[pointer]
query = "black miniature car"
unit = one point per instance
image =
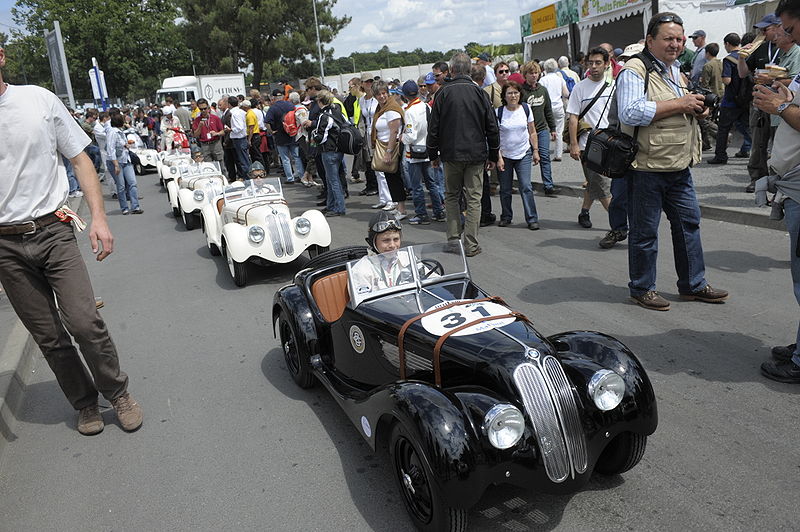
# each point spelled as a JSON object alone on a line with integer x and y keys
{"x": 465, "y": 392}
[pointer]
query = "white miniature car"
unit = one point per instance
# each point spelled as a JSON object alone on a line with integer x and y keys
{"x": 251, "y": 221}
{"x": 169, "y": 163}
{"x": 197, "y": 185}
{"x": 146, "y": 159}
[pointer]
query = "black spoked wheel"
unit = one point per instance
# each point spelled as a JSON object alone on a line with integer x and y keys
{"x": 238, "y": 270}
{"x": 336, "y": 256}
{"x": 621, "y": 454}
{"x": 315, "y": 250}
{"x": 189, "y": 220}
{"x": 422, "y": 499}
{"x": 298, "y": 365}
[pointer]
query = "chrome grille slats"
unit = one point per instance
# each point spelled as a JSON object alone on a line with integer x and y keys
{"x": 541, "y": 411}
{"x": 568, "y": 411}
{"x": 274, "y": 234}
{"x": 286, "y": 234}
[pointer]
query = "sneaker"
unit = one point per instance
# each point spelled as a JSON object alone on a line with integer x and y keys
{"x": 652, "y": 300}
{"x": 584, "y": 220}
{"x": 128, "y": 411}
{"x": 125, "y": 212}
{"x": 356, "y": 179}
{"x": 717, "y": 161}
{"x": 473, "y": 252}
{"x": 742, "y": 154}
{"x": 113, "y": 195}
{"x": 322, "y": 203}
{"x": 331, "y": 214}
{"x": 552, "y": 191}
{"x": 788, "y": 372}
{"x": 420, "y": 220}
{"x": 783, "y": 353}
{"x": 400, "y": 216}
{"x": 611, "y": 238}
{"x": 368, "y": 192}
{"x": 98, "y": 302}
{"x": 751, "y": 187}
{"x": 707, "y": 294}
{"x": 378, "y": 205}
{"x": 533, "y": 226}
{"x": 488, "y": 220}
{"x": 503, "y": 223}
{"x": 390, "y": 206}
{"x": 76, "y": 194}
{"x": 439, "y": 217}
{"x": 90, "y": 422}
{"x": 137, "y": 211}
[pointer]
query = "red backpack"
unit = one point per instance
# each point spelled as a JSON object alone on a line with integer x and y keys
{"x": 290, "y": 123}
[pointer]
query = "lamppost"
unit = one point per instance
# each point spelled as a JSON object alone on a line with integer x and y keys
{"x": 319, "y": 44}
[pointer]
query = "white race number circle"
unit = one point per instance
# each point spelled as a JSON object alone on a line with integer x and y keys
{"x": 440, "y": 323}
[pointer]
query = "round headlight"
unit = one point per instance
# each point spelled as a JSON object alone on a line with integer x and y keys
{"x": 173, "y": 170}
{"x": 503, "y": 425}
{"x": 302, "y": 226}
{"x": 198, "y": 195}
{"x": 606, "y": 389}
{"x": 255, "y": 234}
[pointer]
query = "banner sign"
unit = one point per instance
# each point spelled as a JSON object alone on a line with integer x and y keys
{"x": 562, "y": 13}
{"x": 525, "y": 25}
{"x": 566, "y": 12}
{"x": 594, "y": 8}
{"x": 543, "y": 19}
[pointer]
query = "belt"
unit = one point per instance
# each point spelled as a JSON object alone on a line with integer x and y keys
{"x": 29, "y": 227}
{"x": 209, "y": 141}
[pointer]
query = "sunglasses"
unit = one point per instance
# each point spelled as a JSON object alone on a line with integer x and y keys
{"x": 203, "y": 108}
{"x": 503, "y": 71}
{"x": 385, "y": 225}
{"x": 669, "y": 18}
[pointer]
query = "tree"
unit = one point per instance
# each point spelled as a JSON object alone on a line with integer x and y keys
{"x": 135, "y": 42}
{"x": 258, "y": 33}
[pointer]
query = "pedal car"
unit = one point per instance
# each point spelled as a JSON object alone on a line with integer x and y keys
{"x": 198, "y": 184}
{"x": 144, "y": 158}
{"x": 463, "y": 390}
{"x": 251, "y": 222}
{"x": 169, "y": 163}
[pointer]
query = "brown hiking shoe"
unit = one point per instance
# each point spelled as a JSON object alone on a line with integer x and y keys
{"x": 707, "y": 294}
{"x": 90, "y": 422}
{"x": 128, "y": 411}
{"x": 651, "y": 300}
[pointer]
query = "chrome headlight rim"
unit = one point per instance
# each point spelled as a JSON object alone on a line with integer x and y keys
{"x": 503, "y": 425}
{"x": 255, "y": 234}
{"x": 302, "y": 226}
{"x": 198, "y": 195}
{"x": 607, "y": 389}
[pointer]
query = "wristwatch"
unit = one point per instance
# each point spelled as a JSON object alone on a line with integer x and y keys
{"x": 785, "y": 105}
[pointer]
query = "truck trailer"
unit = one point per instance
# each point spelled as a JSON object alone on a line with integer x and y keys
{"x": 212, "y": 87}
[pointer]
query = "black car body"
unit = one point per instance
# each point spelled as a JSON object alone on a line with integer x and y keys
{"x": 433, "y": 408}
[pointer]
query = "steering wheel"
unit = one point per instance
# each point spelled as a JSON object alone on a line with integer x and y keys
{"x": 428, "y": 267}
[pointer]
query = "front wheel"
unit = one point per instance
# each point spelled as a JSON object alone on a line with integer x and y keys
{"x": 422, "y": 498}
{"x": 188, "y": 220}
{"x": 296, "y": 362}
{"x": 621, "y": 454}
{"x": 314, "y": 250}
{"x": 238, "y": 270}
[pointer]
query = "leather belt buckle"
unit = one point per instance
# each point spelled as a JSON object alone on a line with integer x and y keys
{"x": 33, "y": 227}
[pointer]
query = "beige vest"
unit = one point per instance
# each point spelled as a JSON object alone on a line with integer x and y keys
{"x": 669, "y": 144}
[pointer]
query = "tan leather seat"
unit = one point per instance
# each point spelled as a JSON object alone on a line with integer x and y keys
{"x": 220, "y": 203}
{"x": 331, "y": 294}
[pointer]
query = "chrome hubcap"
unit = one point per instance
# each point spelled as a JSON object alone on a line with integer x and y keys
{"x": 407, "y": 482}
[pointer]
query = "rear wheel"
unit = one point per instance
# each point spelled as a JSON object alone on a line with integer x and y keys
{"x": 296, "y": 362}
{"x": 336, "y": 256}
{"x": 422, "y": 498}
{"x": 621, "y": 454}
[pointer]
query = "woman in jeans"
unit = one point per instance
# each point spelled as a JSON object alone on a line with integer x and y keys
{"x": 119, "y": 158}
{"x": 325, "y": 136}
{"x": 538, "y": 99}
{"x": 519, "y": 145}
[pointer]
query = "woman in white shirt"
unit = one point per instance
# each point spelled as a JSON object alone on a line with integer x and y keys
{"x": 556, "y": 87}
{"x": 519, "y": 146}
{"x": 386, "y": 127}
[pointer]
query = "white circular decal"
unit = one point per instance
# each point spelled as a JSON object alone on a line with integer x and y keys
{"x": 357, "y": 339}
{"x": 365, "y": 426}
{"x": 439, "y": 323}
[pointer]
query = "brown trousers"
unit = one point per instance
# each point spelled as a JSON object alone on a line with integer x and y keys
{"x": 35, "y": 271}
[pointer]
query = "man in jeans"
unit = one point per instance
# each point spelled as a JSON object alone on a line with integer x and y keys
{"x": 41, "y": 268}
{"x": 287, "y": 146}
{"x": 463, "y": 133}
{"x": 659, "y": 178}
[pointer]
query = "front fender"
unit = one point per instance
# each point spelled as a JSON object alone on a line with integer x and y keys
{"x": 211, "y": 223}
{"x": 320, "y": 233}
{"x": 172, "y": 193}
{"x": 237, "y": 246}
{"x": 291, "y": 300}
{"x": 187, "y": 201}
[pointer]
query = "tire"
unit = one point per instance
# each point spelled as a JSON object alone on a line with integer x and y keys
{"x": 315, "y": 250}
{"x": 189, "y": 220}
{"x": 176, "y": 212}
{"x": 213, "y": 249}
{"x": 422, "y": 498}
{"x": 238, "y": 270}
{"x": 336, "y": 256}
{"x": 138, "y": 169}
{"x": 621, "y": 454}
{"x": 298, "y": 365}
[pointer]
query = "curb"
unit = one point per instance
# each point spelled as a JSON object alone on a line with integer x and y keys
{"x": 17, "y": 365}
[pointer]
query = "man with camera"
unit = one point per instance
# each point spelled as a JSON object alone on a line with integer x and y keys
{"x": 778, "y": 101}
{"x": 656, "y": 107}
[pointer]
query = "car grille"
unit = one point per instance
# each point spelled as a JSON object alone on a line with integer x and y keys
{"x": 551, "y": 407}
{"x": 280, "y": 234}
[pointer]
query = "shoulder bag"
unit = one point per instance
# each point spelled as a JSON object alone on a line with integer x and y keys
{"x": 583, "y": 125}
{"x": 381, "y": 149}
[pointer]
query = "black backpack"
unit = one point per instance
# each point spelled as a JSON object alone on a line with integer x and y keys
{"x": 348, "y": 137}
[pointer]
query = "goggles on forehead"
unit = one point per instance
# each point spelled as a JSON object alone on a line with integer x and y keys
{"x": 385, "y": 225}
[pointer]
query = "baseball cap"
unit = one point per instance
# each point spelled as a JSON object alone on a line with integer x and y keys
{"x": 697, "y": 33}
{"x": 366, "y": 76}
{"x": 410, "y": 88}
{"x": 517, "y": 77}
{"x": 769, "y": 19}
{"x": 484, "y": 56}
{"x": 429, "y": 79}
{"x": 632, "y": 49}
{"x": 277, "y": 92}
{"x": 168, "y": 110}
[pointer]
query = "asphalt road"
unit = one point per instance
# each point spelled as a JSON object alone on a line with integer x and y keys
{"x": 230, "y": 443}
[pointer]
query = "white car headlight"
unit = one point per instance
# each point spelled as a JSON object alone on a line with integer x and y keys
{"x": 503, "y": 425}
{"x": 198, "y": 195}
{"x": 302, "y": 226}
{"x": 606, "y": 389}
{"x": 173, "y": 170}
{"x": 255, "y": 234}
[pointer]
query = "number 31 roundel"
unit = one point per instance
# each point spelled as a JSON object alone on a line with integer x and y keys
{"x": 448, "y": 319}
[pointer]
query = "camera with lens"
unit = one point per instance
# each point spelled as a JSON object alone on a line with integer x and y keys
{"x": 710, "y": 99}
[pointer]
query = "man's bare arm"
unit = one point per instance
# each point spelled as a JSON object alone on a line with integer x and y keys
{"x": 90, "y": 185}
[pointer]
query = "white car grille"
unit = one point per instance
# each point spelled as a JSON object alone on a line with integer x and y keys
{"x": 551, "y": 407}
{"x": 280, "y": 233}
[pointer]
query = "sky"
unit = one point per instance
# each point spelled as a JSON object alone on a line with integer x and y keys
{"x": 409, "y": 24}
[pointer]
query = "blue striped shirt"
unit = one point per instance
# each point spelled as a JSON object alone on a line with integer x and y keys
{"x": 634, "y": 108}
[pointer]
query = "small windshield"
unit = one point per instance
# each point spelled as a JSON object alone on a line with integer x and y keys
{"x": 413, "y": 266}
{"x": 205, "y": 169}
{"x": 267, "y": 188}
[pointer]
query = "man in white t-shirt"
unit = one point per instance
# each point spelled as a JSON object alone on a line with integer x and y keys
{"x": 39, "y": 256}
{"x": 598, "y": 187}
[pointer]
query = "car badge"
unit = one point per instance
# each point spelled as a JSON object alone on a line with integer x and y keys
{"x": 533, "y": 354}
{"x": 357, "y": 339}
{"x": 365, "y": 426}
